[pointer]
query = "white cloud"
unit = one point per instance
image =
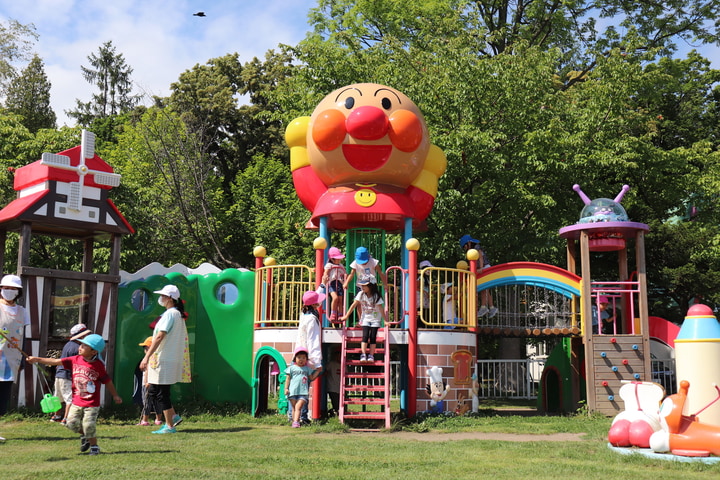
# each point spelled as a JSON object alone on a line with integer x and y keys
{"x": 159, "y": 39}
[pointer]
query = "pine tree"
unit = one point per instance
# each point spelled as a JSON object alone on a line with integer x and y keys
{"x": 29, "y": 95}
{"x": 111, "y": 75}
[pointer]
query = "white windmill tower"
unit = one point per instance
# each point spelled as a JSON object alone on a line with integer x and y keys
{"x": 77, "y": 190}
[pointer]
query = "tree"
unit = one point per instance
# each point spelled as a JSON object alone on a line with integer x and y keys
{"x": 29, "y": 96}
{"x": 525, "y": 99}
{"x": 109, "y": 72}
{"x": 206, "y": 98}
{"x": 16, "y": 41}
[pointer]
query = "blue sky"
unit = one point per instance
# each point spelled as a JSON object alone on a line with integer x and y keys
{"x": 159, "y": 39}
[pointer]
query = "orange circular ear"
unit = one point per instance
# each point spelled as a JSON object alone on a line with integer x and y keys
{"x": 406, "y": 131}
{"x": 328, "y": 130}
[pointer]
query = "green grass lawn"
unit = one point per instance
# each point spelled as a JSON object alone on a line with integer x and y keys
{"x": 229, "y": 444}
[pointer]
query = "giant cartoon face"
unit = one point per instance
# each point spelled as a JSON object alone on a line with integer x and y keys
{"x": 367, "y": 133}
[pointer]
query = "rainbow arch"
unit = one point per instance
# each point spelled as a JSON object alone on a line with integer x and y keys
{"x": 529, "y": 273}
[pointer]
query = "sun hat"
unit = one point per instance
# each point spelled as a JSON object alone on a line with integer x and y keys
{"x": 298, "y": 350}
{"x": 367, "y": 280}
{"x": 467, "y": 238}
{"x": 79, "y": 331}
{"x": 11, "y": 281}
{"x": 362, "y": 255}
{"x": 444, "y": 287}
{"x": 335, "y": 252}
{"x": 147, "y": 342}
{"x": 312, "y": 297}
{"x": 425, "y": 264}
{"x": 94, "y": 341}
{"x": 169, "y": 291}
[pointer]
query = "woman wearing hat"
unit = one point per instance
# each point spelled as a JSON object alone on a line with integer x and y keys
{"x": 309, "y": 327}
{"x": 13, "y": 320}
{"x": 167, "y": 360}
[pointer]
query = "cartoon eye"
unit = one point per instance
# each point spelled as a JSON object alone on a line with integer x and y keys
{"x": 349, "y": 102}
{"x": 386, "y": 103}
{"x": 666, "y": 407}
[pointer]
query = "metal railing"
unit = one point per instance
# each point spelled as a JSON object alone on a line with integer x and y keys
{"x": 278, "y": 294}
{"x": 663, "y": 372}
{"x": 509, "y": 378}
{"x": 446, "y": 298}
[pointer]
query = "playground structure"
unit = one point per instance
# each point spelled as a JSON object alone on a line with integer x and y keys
{"x": 364, "y": 166}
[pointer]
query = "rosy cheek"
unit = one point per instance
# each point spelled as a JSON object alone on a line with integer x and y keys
{"x": 406, "y": 132}
{"x": 328, "y": 130}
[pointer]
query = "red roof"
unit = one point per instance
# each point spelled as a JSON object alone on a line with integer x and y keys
{"x": 35, "y": 173}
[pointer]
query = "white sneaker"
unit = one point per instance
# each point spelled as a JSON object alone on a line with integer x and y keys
{"x": 2, "y": 439}
{"x": 482, "y": 311}
{"x": 492, "y": 312}
{"x": 363, "y": 358}
{"x": 370, "y": 358}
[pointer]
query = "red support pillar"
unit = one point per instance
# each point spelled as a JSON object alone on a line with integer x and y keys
{"x": 259, "y": 253}
{"x": 473, "y": 257}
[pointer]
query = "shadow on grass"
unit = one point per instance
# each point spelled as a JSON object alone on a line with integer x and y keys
{"x": 213, "y": 430}
{"x": 60, "y": 439}
{"x": 133, "y": 452}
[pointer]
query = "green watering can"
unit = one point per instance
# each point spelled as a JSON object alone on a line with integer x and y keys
{"x": 50, "y": 403}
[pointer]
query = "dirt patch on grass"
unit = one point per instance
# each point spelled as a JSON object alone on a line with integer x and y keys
{"x": 506, "y": 437}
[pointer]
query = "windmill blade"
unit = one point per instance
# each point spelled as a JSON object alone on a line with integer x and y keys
{"x": 55, "y": 160}
{"x": 109, "y": 179}
{"x": 87, "y": 146}
{"x": 75, "y": 196}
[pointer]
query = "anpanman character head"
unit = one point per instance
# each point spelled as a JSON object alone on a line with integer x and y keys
{"x": 367, "y": 134}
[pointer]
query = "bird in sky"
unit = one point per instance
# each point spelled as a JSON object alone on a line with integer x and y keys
{"x": 199, "y": 14}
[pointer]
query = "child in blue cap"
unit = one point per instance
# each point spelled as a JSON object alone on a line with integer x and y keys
{"x": 364, "y": 265}
{"x": 88, "y": 373}
{"x": 486, "y": 301}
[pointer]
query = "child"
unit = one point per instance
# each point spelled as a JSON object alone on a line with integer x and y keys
{"x": 88, "y": 372}
{"x": 63, "y": 376}
{"x": 297, "y": 384}
{"x": 141, "y": 387}
{"x": 607, "y": 326}
{"x": 449, "y": 301}
{"x": 333, "y": 278}
{"x": 486, "y": 300}
{"x": 364, "y": 265}
{"x": 371, "y": 302}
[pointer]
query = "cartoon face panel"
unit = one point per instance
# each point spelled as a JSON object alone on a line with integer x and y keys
{"x": 367, "y": 133}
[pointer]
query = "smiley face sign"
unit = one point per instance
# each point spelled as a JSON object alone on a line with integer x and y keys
{"x": 364, "y": 156}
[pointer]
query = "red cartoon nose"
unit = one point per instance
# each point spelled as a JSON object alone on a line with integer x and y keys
{"x": 367, "y": 123}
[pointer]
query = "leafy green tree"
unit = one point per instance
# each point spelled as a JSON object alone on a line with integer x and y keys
{"x": 526, "y": 100}
{"x": 109, "y": 72}
{"x": 16, "y": 41}
{"x": 29, "y": 96}
{"x": 206, "y": 98}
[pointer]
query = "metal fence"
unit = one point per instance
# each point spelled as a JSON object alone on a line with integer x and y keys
{"x": 510, "y": 378}
{"x": 663, "y": 372}
{"x": 516, "y": 378}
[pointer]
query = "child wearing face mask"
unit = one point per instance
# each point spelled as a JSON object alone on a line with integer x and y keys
{"x": 13, "y": 320}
